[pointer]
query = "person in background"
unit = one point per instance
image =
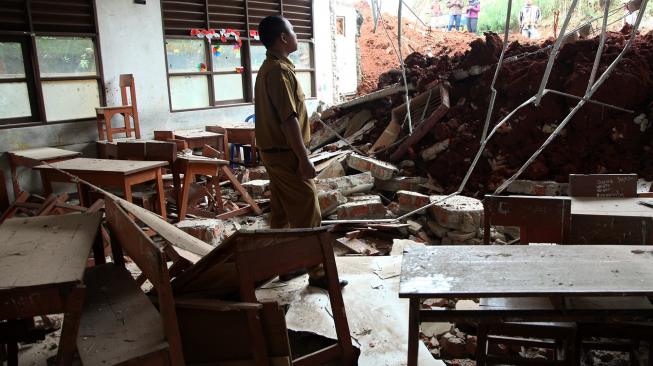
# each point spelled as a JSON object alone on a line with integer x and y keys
{"x": 282, "y": 134}
{"x": 455, "y": 10}
{"x": 436, "y": 12}
{"x": 529, "y": 19}
{"x": 472, "y": 11}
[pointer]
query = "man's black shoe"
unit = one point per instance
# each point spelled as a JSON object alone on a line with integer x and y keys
{"x": 289, "y": 276}
{"x": 322, "y": 283}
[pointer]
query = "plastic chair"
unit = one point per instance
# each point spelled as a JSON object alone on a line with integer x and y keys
{"x": 247, "y": 149}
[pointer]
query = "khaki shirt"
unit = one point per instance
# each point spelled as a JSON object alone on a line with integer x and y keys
{"x": 278, "y": 96}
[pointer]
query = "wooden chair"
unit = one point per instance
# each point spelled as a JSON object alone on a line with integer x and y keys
{"x": 128, "y": 109}
{"x": 119, "y": 324}
{"x": 242, "y": 262}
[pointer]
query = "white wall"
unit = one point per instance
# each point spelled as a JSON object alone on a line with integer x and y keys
{"x": 346, "y": 50}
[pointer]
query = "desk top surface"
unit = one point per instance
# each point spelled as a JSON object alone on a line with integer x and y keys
{"x": 611, "y": 206}
{"x": 86, "y": 165}
{"x": 193, "y": 134}
{"x": 45, "y": 153}
{"x": 46, "y": 250}
{"x": 233, "y": 125}
{"x": 535, "y": 270}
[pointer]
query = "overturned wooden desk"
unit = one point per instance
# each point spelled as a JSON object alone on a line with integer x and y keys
{"x": 575, "y": 282}
{"x": 33, "y": 157}
{"x": 42, "y": 263}
{"x": 121, "y": 174}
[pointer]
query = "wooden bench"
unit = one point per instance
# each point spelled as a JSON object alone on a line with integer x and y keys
{"x": 119, "y": 324}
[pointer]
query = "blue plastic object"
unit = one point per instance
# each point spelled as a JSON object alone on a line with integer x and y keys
{"x": 232, "y": 151}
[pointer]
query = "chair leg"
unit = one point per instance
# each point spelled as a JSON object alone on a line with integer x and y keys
{"x": 481, "y": 345}
{"x": 137, "y": 126}
{"x": 100, "y": 126}
{"x": 107, "y": 124}
{"x": 128, "y": 125}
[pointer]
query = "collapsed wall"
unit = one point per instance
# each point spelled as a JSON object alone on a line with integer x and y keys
{"x": 597, "y": 140}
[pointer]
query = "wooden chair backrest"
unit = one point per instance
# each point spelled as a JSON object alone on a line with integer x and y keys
{"x": 540, "y": 219}
{"x": 127, "y": 81}
{"x": 161, "y": 151}
{"x": 603, "y": 185}
{"x": 150, "y": 259}
{"x": 131, "y": 150}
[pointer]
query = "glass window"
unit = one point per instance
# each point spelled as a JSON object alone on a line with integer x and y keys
{"x": 70, "y": 99}
{"x": 189, "y": 92}
{"x": 185, "y": 55}
{"x": 65, "y": 56}
{"x": 257, "y": 54}
{"x": 226, "y": 57}
{"x": 228, "y": 87}
{"x": 14, "y": 100}
{"x": 11, "y": 60}
{"x": 302, "y": 57}
{"x": 306, "y": 81}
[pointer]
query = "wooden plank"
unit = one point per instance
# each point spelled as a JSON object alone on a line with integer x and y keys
{"x": 611, "y": 221}
{"x": 540, "y": 270}
{"x": 100, "y": 166}
{"x": 603, "y": 185}
{"x": 236, "y": 184}
{"x": 58, "y": 246}
{"x": 358, "y": 246}
{"x": 45, "y": 153}
{"x": 119, "y": 322}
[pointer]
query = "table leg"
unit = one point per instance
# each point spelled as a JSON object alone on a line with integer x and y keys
{"x": 14, "y": 177}
{"x": 161, "y": 193}
{"x": 413, "y": 332}
{"x": 47, "y": 183}
{"x": 182, "y": 202}
{"x": 72, "y": 316}
{"x": 225, "y": 145}
{"x": 127, "y": 190}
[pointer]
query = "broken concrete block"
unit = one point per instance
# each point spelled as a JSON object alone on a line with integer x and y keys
{"x": 414, "y": 227}
{"x": 410, "y": 201}
{"x": 259, "y": 188}
{"x": 356, "y": 122}
{"x": 538, "y": 188}
{"x": 334, "y": 168}
{"x": 371, "y": 209}
{"x": 379, "y": 169}
{"x": 359, "y": 183}
{"x": 452, "y": 346}
{"x": 459, "y": 213}
{"x": 437, "y": 229}
{"x": 329, "y": 201}
{"x": 400, "y": 184}
{"x": 460, "y": 236}
{"x": 432, "y": 152}
{"x": 211, "y": 231}
{"x": 258, "y": 173}
{"x": 434, "y": 329}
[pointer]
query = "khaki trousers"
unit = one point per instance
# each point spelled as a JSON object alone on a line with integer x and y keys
{"x": 293, "y": 200}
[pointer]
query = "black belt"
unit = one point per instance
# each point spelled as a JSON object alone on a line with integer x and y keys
{"x": 275, "y": 150}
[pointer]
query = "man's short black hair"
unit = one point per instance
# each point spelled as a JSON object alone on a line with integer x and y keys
{"x": 270, "y": 29}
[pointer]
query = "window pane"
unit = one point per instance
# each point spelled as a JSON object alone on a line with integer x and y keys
{"x": 257, "y": 53}
{"x": 70, "y": 99}
{"x": 226, "y": 57}
{"x": 14, "y": 100}
{"x": 189, "y": 92}
{"x": 185, "y": 55}
{"x": 306, "y": 81}
{"x": 66, "y": 56}
{"x": 228, "y": 87}
{"x": 11, "y": 60}
{"x": 302, "y": 57}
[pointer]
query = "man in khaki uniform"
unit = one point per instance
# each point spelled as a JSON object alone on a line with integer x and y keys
{"x": 282, "y": 134}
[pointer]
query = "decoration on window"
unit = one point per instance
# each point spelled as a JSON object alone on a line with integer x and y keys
{"x": 204, "y": 33}
{"x": 217, "y": 51}
{"x": 201, "y": 67}
{"x": 240, "y": 69}
{"x": 254, "y": 34}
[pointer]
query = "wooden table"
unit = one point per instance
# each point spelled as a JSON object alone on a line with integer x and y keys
{"x": 42, "y": 263}
{"x": 33, "y": 157}
{"x": 611, "y": 221}
{"x": 122, "y": 174}
{"x": 197, "y": 138}
{"x": 237, "y": 133}
{"x": 564, "y": 277}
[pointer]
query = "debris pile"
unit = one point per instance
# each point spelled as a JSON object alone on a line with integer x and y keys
{"x": 450, "y": 95}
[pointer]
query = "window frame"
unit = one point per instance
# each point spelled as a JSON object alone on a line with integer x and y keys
{"x": 33, "y": 75}
{"x": 247, "y": 41}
